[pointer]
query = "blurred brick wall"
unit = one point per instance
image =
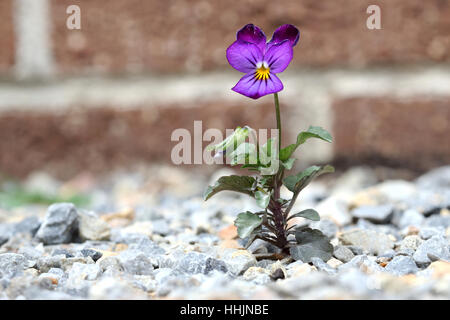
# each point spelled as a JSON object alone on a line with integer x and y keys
{"x": 191, "y": 36}
{"x": 384, "y": 94}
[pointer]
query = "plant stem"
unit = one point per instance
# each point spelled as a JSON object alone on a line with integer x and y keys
{"x": 275, "y": 205}
{"x": 277, "y": 111}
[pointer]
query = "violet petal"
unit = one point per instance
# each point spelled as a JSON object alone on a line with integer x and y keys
{"x": 252, "y": 88}
{"x": 243, "y": 56}
{"x": 278, "y": 56}
{"x": 285, "y": 32}
{"x": 253, "y": 34}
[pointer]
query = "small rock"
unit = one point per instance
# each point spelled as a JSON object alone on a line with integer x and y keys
{"x": 334, "y": 263}
{"x": 357, "y": 251}
{"x": 428, "y": 232}
{"x": 322, "y": 266}
{"x": 440, "y": 269}
{"x": 12, "y": 264}
{"x": 257, "y": 275}
{"x": 113, "y": 289}
{"x": 60, "y": 224}
{"x": 374, "y": 242}
{"x": 277, "y": 274}
{"x": 411, "y": 242}
{"x": 95, "y": 255}
{"x": 410, "y": 217}
{"x": 435, "y": 179}
{"x": 238, "y": 261}
{"x": 28, "y": 225}
{"x": 335, "y": 209}
{"x": 81, "y": 271}
{"x": 363, "y": 263}
{"x": 437, "y": 246}
{"x": 437, "y": 221}
{"x": 110, "y": 263}
{"x": 91, "y": 227}
{"x": 402, "y": 265}
{"x": 161, "y": 227}
{"x": 376, "y": 214}
{"x": 298, "y": 268}
{"x": 135, "y": 262}
{"x": 343, "y": 253}
{"x": 196, "y": 262}
{"x": 328, "y": 227}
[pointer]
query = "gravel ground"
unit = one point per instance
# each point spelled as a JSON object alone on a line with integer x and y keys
{"x": 149, "y": 235}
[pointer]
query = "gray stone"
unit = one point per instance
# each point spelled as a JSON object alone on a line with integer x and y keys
{"x": 28, "y": 225}
{"x": 437, "y": 246}
{"x": 161, "y": 227}
{"x": 377, "y": 214}
{"x": 238, "y": 261}
{"x": 343, "y": 253}
{"x": 94, "y": 254}
{"x": 45, "y": 263}
{"x": 81, "y": 271}
{"x": 257, "y": 275}
{"x": 196, "y": 262}
{"x": 12, "y": 264}
{"x": 428, "y": 232}
{"x": 411, "y": 242}
{"x": 372, "y": 241}
{"x": 135, "y": 262}
{"x": 60, "y": 224}
{"x": 142, "y": 243}
{"x": 335, "y": 209}
{"x": 110, "y": 264}
{"x": 328, "y": 227}
{"x": 322, "y": 266}
{"x": 357, "y": 251}
{"x": 402, "y": 265}
{"x": 31, "y": 253}
{"x": 363, "y": 263}
{"x": 405, "y": 252}
{"x": 410, "y": 217}
{"x": 91, "y": 227}
{"x": 6, "y": 231}
{"x": 437, "y": 220}
{"x": 435, "y": 179}
{"x": 113, "y": 289}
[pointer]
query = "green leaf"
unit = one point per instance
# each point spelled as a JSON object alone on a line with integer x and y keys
{"x": 297, "y": 182}
{"x": 310, "y": 214}
{"x": 246, "y": 222}
{"x": 232, "y": 141}
{"x": 242, "y": 184}
{"x": 312, "y": 132}
{"x": 288, "y": 163}
{"x": 262, "y": 199}
{"x": 311, "y": 243}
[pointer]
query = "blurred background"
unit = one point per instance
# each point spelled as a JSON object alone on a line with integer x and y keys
{"x": 78, "y": 104}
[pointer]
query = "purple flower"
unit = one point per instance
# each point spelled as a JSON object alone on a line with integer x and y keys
{"x": 261, "y": 61}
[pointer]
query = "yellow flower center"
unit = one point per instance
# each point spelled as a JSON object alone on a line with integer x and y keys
{"x": 262, "y": 72}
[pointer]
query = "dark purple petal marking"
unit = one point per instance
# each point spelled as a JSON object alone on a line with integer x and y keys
{"x": 285, "y": 32}
{"x": 251, "y": 87}
{"x": 243, "y": 56}
{"x": 278, "y": 56}
{"x": 253, "y": 34}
